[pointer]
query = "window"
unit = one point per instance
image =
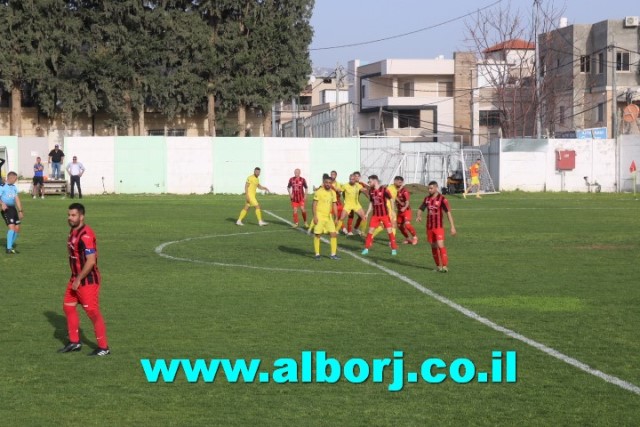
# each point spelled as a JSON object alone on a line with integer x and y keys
{"x": 601, "y": 63}
{"x": 372, "y": 124}
{"x": 407, "y": 89}
{"x": 585, "y": 64}
{"x": 490, "y": 118}
{"x": 622, "y": 61}
{"x": 170, "y": 132}
{"x": 363, "y": 92}
{"x": 562, "y": 115}
{"x": 600, "y": 113}
{"x": 445, "y": 89}
{"x": 409, "y": 119}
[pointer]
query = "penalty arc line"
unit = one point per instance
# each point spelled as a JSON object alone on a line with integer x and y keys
{"x": 506, "y": 331}
{"x": 159, "y": 251}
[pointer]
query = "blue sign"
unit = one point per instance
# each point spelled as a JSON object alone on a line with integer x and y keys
{"x": 593, "y": 133}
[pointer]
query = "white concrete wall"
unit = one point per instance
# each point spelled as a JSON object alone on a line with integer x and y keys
{"x": 530, "y": 165}
{"x": 183, "y": 174}
{"x": 97, "y": 154}
{"x": 283, "y": 157}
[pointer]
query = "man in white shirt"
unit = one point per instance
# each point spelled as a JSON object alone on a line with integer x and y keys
{"x": 75, "y": 170}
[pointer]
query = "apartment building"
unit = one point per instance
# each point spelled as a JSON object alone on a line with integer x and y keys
{"x": 590, "y": 73}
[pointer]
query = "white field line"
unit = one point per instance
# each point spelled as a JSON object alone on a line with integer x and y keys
{"x": 510, "y": 333}
{"x": 160, "y": 248}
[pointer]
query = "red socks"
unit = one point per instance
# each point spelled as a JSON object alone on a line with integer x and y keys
{"x": 410, "y": 229}
{"x": 295, "y": 217}
{"x": 369, "y": 241}
{"x": 73, "y": 322}
{"x": 392, "y": 239}
{"x": 440, "y": 256}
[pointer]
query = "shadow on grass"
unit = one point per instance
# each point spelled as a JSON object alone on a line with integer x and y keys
{"x": 296, "y": 251}
{"x": 59, "y": 323}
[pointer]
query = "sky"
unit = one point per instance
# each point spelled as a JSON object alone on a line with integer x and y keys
{"x": 343, "y": 22}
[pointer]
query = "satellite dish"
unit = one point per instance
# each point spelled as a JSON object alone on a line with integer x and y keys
{"x": 630, "y": 113}
{"x": 312, "y": 79}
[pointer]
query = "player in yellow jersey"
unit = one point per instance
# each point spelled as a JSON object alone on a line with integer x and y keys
{"x": 250, "y": 188}
{"x": 337, "y": 188}
{"x": 352, "y": 205}
{"x": 325, "y": 214}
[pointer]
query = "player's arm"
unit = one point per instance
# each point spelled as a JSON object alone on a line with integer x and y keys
{"x": 453, "y": 227}
{"x": 19, "y": 207}
{"x": 314, "y": 208}
{"x": 421, "y": 209}
{"x": 86, "y": 269}
{"x": 369, "y": 209}
{"x": 263, "y": 188}
{"x": 290, "y": 190}
{"x": 304, "y": 189}
{"x": 246, "y": 190}
{"x": 446, "y": 207}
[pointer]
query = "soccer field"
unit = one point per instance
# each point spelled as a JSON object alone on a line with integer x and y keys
{"x": 182, "y": 281}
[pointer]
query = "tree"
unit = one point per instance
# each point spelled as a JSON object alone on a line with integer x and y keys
{"x": 24, "y": 49}
{"x": 504, "y": 38}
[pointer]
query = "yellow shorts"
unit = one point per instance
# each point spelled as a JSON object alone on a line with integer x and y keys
{"x": 350, "y": 207}
{"x": 253, "y": 202}
{"x": 324, "y": 226}
{"x": 475, "y": 180}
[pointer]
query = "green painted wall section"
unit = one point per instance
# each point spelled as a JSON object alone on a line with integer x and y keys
{"x": 341, "y": 155}
{"x": 140, "y": 164}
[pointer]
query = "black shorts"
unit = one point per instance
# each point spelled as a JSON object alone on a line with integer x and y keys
{"x": 11, "y": 216}
{"x": 38, "y": 180}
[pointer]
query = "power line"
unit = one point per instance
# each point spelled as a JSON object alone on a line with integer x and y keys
{"x": 430, "y": 27}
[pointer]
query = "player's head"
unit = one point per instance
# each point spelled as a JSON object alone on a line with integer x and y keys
{"x": 357, "y": 174}
{"x": 398, "y": 181}
{"x": 256, "y": 171}
{"x": 75, "y": 159}
{"x": 374, "y": 181}
{"x": 326, "y": 181}
{"x": 75, "y": 215}
{"x": 352, "y": 179}
{"x": 296, "y": 173}
{"x": 38, "y": 159}
{"x": 433, "y": 188}
{"x": 12, "y": 177}
{"x": 478, "y": 161}
{"x": 333, "y": 175}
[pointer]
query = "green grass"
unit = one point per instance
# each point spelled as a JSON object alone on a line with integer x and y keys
{"x": 561, "y": 269}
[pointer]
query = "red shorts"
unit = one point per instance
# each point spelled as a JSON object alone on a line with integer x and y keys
{"x": 297, "y": 204}
{"x": 404, "y": 217}
{"x": 435, "y": 234}
{"x": 376, "y": 220}
{"x": 340, "y": 208}
{"x": 87, "y": 295}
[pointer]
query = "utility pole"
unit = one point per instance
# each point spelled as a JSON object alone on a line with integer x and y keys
{"x": 614, "y": 107}
{"x": 339, "y": 81}
{"x": 538, "y": 77}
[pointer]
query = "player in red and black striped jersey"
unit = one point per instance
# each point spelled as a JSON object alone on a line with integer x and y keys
{"x": 84, "y": 284}
{"x": 437, "y": 205}
{"x": 297, "y": 188}
{"x": 378, "y": 195}
{"x": 404, "y": 214}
